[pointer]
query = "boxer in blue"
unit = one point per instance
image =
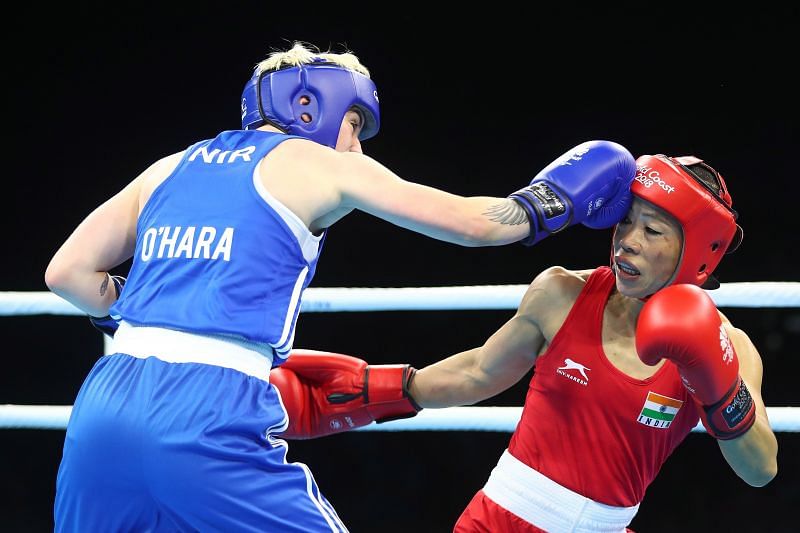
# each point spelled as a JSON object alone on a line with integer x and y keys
{"x": 178, "y": 429}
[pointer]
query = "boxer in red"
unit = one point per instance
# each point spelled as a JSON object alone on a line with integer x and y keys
{"x": 627, "y": 358}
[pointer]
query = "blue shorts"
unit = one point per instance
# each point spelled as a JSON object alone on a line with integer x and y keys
{"x": 157, "y": 446}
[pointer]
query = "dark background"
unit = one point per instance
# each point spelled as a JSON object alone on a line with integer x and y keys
{"x": 474, "y": 102}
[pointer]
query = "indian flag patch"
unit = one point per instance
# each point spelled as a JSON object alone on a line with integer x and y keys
{"x": 659, "y": 411}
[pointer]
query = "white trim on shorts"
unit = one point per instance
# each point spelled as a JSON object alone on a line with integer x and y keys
{"x": 173, "y": 346}
{"x": 539, "y": 500}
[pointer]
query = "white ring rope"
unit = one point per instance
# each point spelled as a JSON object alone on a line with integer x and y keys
{"x": 475, "y": 297}
{"x": 470, "y": 297}
{"x": 501, "y": 419}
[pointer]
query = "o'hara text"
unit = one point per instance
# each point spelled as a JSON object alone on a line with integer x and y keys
{"x": 190, "y": 242}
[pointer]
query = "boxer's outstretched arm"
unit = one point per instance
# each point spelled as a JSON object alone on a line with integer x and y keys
{"x": 480, "y": 373}
{"x": 588, "y": 184}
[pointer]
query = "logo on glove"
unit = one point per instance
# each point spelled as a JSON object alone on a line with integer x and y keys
{"x": 725, "y": 345}
{"x": 336, "y": 424}
{"x": 740, "y": 406}
{"x": 593, "y": 206}
{"x": 567, "y": 158}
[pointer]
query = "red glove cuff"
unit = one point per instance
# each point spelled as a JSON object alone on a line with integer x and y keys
{"x": 733, "y": 415}
{"x": 387, "y": 392}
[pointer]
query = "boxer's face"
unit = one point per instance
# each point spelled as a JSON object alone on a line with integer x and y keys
{"x": 352, "y": 123}
{"x": 647, "y": 247}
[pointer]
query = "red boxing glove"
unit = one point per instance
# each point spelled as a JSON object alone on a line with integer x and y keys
{"x": 326, "y": 393}
{"x": 681, "y": 323}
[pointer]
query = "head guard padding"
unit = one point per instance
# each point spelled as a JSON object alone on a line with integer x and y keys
{"x": 706, "y": 215}
{"x": 320, "y": 90}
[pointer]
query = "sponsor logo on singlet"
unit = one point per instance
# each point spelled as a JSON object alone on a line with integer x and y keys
{"x": 659, "y": 411}
{"x": 574, "y": 371}
{"x": 190, "y": 242}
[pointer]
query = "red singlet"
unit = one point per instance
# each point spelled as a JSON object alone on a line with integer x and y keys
{"x": 590, "y": 427}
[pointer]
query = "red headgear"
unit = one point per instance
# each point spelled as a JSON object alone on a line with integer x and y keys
{"x": 704, "y": 212}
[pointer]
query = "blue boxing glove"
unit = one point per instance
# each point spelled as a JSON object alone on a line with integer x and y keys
{"x": 589, "y": 185}
{"x": 107, "y": 324}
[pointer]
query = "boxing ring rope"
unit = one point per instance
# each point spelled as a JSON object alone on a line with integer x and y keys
{"x": 471, "y": 297}
{"x": 338, "y": 299}
{"x": 499, "y": 419}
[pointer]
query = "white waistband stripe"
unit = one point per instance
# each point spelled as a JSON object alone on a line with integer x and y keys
{"x": 181, "y": 347}
{"x": 544, "y": 503}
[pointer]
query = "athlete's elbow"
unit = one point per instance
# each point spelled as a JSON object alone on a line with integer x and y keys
{"x": 56, "y": 277}
{"x": 765, "y": 476}
{"x": 761, "y": 476}
{"x": 61, "y": 275}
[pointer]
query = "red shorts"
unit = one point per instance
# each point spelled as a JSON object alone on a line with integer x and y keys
{"x": 484, "y": 516}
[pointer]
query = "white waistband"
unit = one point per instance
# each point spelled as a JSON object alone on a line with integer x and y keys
{"x": 174, "y": 346}
{"x": 544, "y": 503}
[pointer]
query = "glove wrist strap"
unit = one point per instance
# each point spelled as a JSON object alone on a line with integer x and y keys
{"x": 733, "y": 415}
{"x": 544, "y": 204}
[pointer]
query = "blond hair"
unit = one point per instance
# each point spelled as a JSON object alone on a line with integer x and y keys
{"x": 303, "y": 53}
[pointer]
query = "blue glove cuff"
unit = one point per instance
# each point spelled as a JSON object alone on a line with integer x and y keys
{"x": 549, "y": 211}
{"x": 119, "y": 282}
{"x": 106, "y": 324}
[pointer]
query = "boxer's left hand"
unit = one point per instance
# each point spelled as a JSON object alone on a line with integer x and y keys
{"x": 589, "y": 185}
{"x": 682, "y": 324}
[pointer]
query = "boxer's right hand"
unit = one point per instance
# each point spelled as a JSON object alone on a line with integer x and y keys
{"x": 589, "y": 184}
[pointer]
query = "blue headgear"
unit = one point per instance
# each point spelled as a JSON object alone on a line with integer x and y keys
{"x": 274, "y": 97}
